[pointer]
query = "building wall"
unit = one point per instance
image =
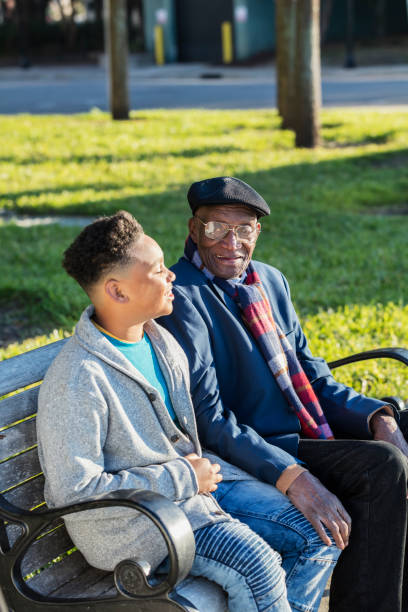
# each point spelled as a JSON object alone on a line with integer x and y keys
{"x": 368, "y": 26}
{"x": 253, "y": 26}
{"x": 153, "y": 12}
{"x": 256, "y": 34}
{"x": 199, "y": 29}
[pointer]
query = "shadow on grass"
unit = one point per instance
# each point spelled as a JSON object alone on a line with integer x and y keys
{"x": 369, "y": 139}
{"x": 142, "y": 156}
{"x": 331, "y": 256}
{"x": 54, "y": 190}
{"x": 16, "y": 322}
{"x": 134, "y": 203}
{"x": 309, "y": 182}
{"x": 327, "y": 125}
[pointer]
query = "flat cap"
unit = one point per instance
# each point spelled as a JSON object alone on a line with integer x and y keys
{"x": 226, "y": 190}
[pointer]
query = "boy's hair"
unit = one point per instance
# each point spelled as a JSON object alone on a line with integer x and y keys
{"x": 101, "y": 246}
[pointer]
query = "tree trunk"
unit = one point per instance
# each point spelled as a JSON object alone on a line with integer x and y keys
{"x": 307, "y": 74}
{"x": 285, "y": 59}
{"x": 116, "y": 45}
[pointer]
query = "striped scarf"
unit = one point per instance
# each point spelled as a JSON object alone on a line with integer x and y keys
{"x": 274, "y": 346}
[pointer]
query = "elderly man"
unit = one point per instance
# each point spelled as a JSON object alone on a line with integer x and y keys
{"x": 266, "y": 404}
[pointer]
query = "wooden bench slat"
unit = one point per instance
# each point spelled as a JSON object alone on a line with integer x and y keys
{"x": 91, "y": 583}
{"x": 59, "y": 574}
{"x": 27, "y": 368}
{"x": 19, "y": 469}
{"x": 18, "y": 406}
{"x": 47, "y": 548}
{"x": 28, "y": 495}
{"x": 106, "y": 586}
{"x": 18, "y": 438}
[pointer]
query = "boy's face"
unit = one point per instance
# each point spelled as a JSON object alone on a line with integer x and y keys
{"x": 147, "y": 283}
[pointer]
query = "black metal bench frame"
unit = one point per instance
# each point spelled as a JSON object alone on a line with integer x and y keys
{"x": 132, "y": 590}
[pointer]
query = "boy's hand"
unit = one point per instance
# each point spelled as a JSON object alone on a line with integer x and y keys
{"x": 207, "y": 473}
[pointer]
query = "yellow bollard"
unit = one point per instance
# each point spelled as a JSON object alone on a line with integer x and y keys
{"x": 158, "y": 45}
{"x": 226, "y": 37}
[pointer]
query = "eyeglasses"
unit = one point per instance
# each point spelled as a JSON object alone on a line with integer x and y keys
{"x": 216, "y": 230}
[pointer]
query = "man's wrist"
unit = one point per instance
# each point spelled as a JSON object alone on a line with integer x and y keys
{"x": 384, "y": 413}
{"x": 288, "y": 476}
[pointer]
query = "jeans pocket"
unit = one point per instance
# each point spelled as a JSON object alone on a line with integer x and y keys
{"x": 223, "y": 489}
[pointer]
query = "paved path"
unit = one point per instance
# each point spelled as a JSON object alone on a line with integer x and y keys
{"x": 42, "y": 90}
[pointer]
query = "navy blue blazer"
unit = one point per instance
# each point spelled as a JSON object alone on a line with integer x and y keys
{"x": 241, "y": 413}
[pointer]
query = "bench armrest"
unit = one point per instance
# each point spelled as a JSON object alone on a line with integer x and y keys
{"x": 130, "y": 579}
{"x": 398, "y": 353}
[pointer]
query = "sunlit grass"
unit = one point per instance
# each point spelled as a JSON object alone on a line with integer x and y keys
{"x": 87, "y": 164}
{"x": 355, "y": 328}
{"x": 347, "y": 265}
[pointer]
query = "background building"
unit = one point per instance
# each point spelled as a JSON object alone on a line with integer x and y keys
{"x": 192, "y": 28}
{"x": 66, "y": 31}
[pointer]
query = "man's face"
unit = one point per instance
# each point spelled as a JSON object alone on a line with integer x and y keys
{"x": 228, "y": 257}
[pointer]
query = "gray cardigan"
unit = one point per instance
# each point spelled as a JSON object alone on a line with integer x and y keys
{"x": 102, "y": 427}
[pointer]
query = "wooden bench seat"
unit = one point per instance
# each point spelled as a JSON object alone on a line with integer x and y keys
{"x": 38, "y": 561}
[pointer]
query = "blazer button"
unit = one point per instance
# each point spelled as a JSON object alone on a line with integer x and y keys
{"x": 152, "y": 397}
{"x": 175, "y": 438}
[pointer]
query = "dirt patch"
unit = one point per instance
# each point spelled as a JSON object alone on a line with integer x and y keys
{"x": 14, "y": 325}
{"x": 29, "y": 220}
{"x": 398, "y": 209}
{"x": 398, "y": 160}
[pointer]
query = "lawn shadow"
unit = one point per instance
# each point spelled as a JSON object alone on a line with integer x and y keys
{"x": 142, "y": 156}
{"x": 71, "y": 188}
{"x": 331, "y": 125}
{"x": 369, "y": 139}
{"x": 331, "y": 256}
{"x": 287, "y": 175}
{"x": 16, "y": 325}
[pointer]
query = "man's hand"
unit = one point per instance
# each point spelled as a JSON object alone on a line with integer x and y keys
{"x": 384, "y": 427}
{"x": 321, "y": 507}
{"x": 207, "y": 473}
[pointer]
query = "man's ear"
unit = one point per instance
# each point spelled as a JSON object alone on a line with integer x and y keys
{"x": 114, "y": 291}
{"x": 192, "y": 226}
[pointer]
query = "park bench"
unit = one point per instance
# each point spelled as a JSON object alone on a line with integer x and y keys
{"x": 40, "y": 569}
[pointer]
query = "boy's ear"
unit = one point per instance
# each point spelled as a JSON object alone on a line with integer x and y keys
{"x": 114, "y": 291}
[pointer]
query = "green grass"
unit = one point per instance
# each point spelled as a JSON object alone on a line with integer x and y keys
{"x": 346, "y": 264}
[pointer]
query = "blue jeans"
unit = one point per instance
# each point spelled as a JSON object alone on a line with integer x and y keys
{"x": 237, "y": 559}
{"x": 308, "y": 562}
{"x": 370, "y": 478}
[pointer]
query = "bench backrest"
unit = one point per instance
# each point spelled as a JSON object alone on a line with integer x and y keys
{"x": 22, "y": 482}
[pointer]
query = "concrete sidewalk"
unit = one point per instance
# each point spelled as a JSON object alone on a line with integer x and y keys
{"x": 195, "y": 71}
{"x": 78, "y": 89}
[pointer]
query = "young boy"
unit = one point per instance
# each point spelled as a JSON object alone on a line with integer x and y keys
{"x": 115, "y": 413}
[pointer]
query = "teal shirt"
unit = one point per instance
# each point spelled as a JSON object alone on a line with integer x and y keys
{"x": 141, "y": 354}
